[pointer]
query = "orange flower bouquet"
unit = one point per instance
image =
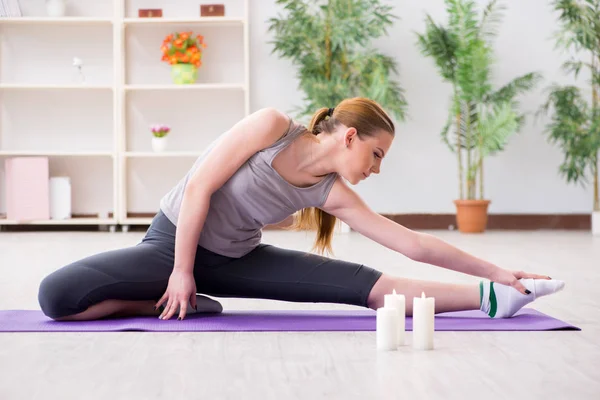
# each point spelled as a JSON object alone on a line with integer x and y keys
{"x": 183, "y": 52}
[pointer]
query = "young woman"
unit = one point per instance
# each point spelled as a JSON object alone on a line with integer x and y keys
{"x": 206, "y": 238}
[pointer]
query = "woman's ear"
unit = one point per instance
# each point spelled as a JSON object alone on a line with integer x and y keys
{"x": 349, "y": 136}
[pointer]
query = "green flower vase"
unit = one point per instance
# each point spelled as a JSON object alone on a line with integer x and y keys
{"x": 184, "y": 74}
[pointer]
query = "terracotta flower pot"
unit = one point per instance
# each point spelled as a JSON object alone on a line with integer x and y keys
{"x": 471, "y": 215}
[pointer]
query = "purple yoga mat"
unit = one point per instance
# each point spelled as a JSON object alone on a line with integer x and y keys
{"x": 271, "y": 320}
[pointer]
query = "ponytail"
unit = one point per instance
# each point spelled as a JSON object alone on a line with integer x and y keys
{"x": 314, "y": 218}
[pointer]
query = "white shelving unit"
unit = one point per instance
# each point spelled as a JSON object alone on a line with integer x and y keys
{"x": 204, "y": 20}
{"x": 16, "y": 86}
{"x": 60, "y": 21}
{"x": 97, "y": 131}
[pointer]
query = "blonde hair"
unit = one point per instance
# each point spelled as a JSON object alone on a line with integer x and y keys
{"x": 368, "y": 118}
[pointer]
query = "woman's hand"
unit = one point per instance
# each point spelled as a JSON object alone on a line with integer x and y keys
{"x": 511, "y": 278}
{"x": 180, "y": 290}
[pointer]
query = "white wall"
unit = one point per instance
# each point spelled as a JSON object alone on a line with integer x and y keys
{"x": 419, "y": 175}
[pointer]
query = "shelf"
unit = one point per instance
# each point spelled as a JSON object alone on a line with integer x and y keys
{"x": 97, "y": 133}
{"x": 195, "y": 86}
{"x": 18, "y": 86}
{"x": 47, "y": 20}
{"x": 23, "y": 153}
{"x": 175, "y": 21}
{"x": 170, "y": 154}
{"x": 71, "y": 221}
{"x": 136, "y": 221}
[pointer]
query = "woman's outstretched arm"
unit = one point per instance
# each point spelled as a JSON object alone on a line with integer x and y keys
{"x": 346, "y": 205}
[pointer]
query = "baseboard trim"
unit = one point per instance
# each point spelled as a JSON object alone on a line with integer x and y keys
{"x": 523, "y": 222}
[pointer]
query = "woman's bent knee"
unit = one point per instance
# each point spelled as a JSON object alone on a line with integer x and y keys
{"x": 57, "y": 297}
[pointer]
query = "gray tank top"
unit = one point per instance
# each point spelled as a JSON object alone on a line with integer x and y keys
{"x": 255, "y": 196}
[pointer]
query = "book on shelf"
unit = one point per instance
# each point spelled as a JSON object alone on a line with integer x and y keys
{"x": 10, "y": 8}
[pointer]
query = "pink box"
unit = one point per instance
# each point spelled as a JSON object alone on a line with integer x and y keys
{"x": 27, "y": 188}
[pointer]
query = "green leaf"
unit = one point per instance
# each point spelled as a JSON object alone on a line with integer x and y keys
{"x": 448, "y": 127}
{"x": 517, "y": 86}
{"x": 440, "y": 44}
{"x": 579, "y": 24}
{"x": 495, "y": 126}
{"x": 491, "y": 19}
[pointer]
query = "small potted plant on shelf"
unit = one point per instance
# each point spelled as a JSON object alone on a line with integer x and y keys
{"x": 183, "y": 52}
{"x": 159, "y": 139}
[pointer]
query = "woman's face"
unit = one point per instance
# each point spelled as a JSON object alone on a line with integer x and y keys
{"x": 363, "y": 156}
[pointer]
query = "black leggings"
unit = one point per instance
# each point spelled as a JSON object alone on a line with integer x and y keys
{"x": 141, "y": 272}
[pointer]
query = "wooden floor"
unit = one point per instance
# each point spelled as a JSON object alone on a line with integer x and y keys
{"x": 317, "y": 365}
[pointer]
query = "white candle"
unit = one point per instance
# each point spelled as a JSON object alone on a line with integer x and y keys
{"x": 398, "y": 302}
{"x": 387, "y": 328}
{"x": 423, "y": 322}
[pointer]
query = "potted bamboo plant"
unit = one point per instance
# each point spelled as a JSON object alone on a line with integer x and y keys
{"x": 575, "y": 121}
{"x": 481, "y": 118}
{"x": 329, "y": 42}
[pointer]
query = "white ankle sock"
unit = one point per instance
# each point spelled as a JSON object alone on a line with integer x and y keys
{"x": 204, "y": 305}
{"x": 501, "y": 301}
